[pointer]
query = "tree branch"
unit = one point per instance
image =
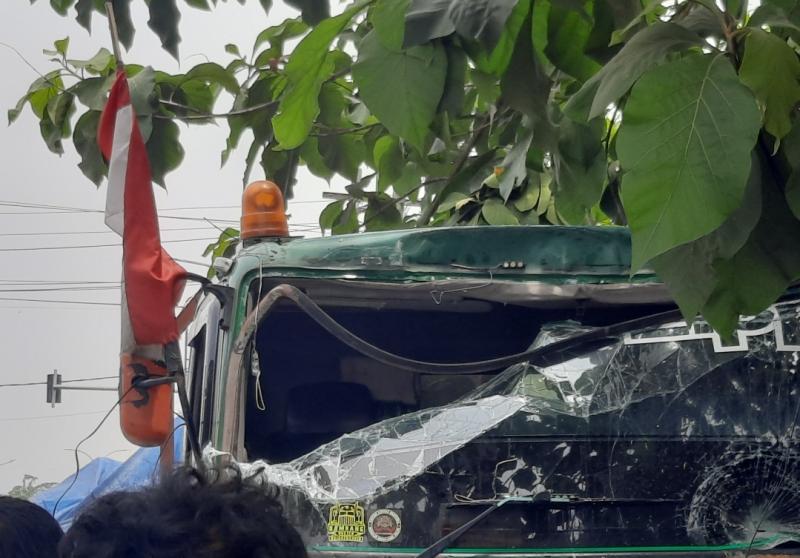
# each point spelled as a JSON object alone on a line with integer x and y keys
{"x": 428, "y": 212}
{"x": 344, "y": 131}
{"x": 201, "y": 116}
{"x": 417, "y": 188}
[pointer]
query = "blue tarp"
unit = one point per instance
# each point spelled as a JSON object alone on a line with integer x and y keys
{"x": 103, "y": 475}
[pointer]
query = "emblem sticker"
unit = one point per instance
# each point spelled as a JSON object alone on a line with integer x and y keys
{"x": 346, "y": 523}
{"x": 384, "y": 525}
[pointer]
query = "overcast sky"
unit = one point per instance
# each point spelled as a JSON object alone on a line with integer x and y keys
{"x": 82, "y": 340}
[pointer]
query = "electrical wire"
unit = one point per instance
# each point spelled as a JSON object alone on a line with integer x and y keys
{"x": 62, "y": 289}
{"x": 77, "y": 447}
{"x": 40, "y": 417}
{"x": 80, "y": 246}
{"x": 62, "y": 381}
{"x": 88, "y": 302}
{"x": 107, "y": 231}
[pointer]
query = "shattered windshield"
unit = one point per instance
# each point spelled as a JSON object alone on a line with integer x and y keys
{"x": 665, "y": 436}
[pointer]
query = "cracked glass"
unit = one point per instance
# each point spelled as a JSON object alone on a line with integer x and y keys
{"x": 665, "y": 437}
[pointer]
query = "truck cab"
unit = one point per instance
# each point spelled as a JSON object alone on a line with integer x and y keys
{"x": 493, "y": 391}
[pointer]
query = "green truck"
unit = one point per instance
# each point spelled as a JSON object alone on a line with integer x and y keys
{"x": 494, "y": 391}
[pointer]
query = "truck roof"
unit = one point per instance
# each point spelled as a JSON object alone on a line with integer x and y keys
{"x": 554, "y": 254}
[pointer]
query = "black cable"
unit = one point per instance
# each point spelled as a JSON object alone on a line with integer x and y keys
{"x": 168, "y": 441}
{"x": 547, "y": 355}
{"x": 78, "y": 447}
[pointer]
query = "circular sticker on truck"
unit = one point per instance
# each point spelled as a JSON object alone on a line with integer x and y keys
{"x": 384, "y": 525}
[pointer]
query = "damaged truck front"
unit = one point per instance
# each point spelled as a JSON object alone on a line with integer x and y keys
{"x": 495, "y": 390}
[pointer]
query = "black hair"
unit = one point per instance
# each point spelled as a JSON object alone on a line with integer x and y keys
{"x": 184, "y": 516}
{"x": 26, "y": 530}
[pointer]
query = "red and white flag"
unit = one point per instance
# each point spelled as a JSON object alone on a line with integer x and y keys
{"x": 152, "y": 280}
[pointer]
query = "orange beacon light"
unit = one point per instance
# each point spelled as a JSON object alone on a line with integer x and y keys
{"x": 263, "y": 213}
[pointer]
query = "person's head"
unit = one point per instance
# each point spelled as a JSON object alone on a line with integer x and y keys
{"x": 26, "y": 530}
{"x": 184, "y": 516}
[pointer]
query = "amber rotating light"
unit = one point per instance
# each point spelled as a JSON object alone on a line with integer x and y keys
{"x": 263, "y": 212}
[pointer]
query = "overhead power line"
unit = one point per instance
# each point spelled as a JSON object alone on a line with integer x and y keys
{"x": 88, "y": 302}
{"x": 40, "y": 417}
{"x": 107, "y": 231}
{"x": 24, "y": 384}
{"x": 80, "y": 246}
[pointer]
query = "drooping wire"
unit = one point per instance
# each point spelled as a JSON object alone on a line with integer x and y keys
{"x": 167, "y": 441}
{"x": 78, "y": 447}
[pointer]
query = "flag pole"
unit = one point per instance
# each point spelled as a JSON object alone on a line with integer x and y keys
{"x": 112, "y": 25}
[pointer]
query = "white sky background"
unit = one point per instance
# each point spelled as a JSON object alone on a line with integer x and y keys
{"x": 83, "y": 340}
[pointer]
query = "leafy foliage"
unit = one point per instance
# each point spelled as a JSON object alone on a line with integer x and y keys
{"x": 677, "y": 118}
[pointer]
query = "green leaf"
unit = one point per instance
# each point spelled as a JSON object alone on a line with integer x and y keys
{"x": 684, "y": 145}
{"x": 776, "y": 17}
{"x": 164, "y": 149}
{"x": 330, "y": 214}
{"x": 648, "y": 48}
{"x": 83, "y": 10}
{"x": 214, "y": 73}
{"x": 452, "y": 99}
{"x": 579, "y": 170}
{"x": 276, "y": 35}
{"x": 84, "y": 137}
{"x": 332, "y": 105}
{"x": 309, "y": 152}
{"x": 483, "y": 20}
{"x": 231, "y": 48}
{"x": 496, "y": 61}
{"x": 688, "y": 269}
{"x": 60, "y": 109}
{"x": 61, "y": 7}
{"x": 764, "y": 267}
{"x": 62, "y": 44}
{"x": 312, "y": 11}
{"x": 526, "y": 87}
{"x": 343, "y": 153}
{"x": 164, "y": 17}
{"x": 388, "y": 19}
{"x": 416, "y": 79}
{"x": 281, "y": 168}
{"x": 770, "y": 68}
{"x": 427, "y": 20}
{"x": 92, "y": 91}
{"x": 100, "y": 63}
{"x": 512, "y": 170}
{"x": 122, "y": 15}
{"x": 51, "y": 134}
{"x": 142, "y": 87}
{"x": 454, "y": 200}
{"x": 496, "y": 213}
{"x": 529, "y": 195}
{"x": 196, "y": 95}
{"x": 389, "y": 161}
{"x": 347, "y": 221}
{"x": 307, "y": 69}
{"x": 381, "y": 214}
{"x": 568, "y": 31}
